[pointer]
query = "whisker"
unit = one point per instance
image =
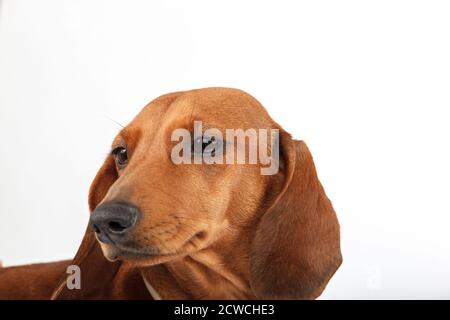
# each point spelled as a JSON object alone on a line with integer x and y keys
{"x": 119, "y": 124}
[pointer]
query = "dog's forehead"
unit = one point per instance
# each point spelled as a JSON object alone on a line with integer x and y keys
{"x": 220, "y": 108}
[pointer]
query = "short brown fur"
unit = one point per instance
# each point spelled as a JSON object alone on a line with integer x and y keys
{"x": 215, "y": 232}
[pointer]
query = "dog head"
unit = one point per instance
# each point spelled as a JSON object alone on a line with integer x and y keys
{"x": 148, "y": 208}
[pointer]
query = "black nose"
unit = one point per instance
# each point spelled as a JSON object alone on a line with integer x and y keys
{"x": 112, "y": 220}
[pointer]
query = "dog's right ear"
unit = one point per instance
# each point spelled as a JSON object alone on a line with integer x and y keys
{"x": 104, "y": 179}
{"x": 97, "y": 273}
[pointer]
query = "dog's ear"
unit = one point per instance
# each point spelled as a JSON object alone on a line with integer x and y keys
{"x": 104, "y": 179}
{"x": 97, "y": 273}
{"x": 296, "y": 249}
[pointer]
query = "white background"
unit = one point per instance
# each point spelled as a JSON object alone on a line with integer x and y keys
{"x": 365, "y": 83}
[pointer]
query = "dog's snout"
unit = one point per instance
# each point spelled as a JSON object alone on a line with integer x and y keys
{"x": 112, "y": 220}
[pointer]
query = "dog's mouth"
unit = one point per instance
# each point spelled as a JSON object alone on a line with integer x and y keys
{"x": 117, "y": 253}
{"x": 114, "y": 251}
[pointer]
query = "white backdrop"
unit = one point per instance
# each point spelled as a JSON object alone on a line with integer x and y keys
{"x": 365, "y": 83}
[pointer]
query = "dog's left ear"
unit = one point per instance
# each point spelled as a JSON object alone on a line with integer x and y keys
{"x": 97, "y": 273}
{"x": 296, "y": 249}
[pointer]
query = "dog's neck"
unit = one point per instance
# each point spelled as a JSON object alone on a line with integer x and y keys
{"x": 217, "y": 272}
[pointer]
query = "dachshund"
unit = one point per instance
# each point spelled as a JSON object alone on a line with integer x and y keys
{"x": 164, "y": 230}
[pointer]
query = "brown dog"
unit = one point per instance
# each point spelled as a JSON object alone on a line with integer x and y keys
{"x": 220, "y": 231}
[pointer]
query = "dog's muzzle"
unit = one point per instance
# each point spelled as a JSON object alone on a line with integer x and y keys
{"x": 112, "y": 221}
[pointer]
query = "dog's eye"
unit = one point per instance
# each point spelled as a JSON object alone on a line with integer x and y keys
{"x": 206, "y": 145}
{"x": 120, "y": 156}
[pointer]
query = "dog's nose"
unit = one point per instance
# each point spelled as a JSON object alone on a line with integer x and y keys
{"x": 112, "y": 220}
